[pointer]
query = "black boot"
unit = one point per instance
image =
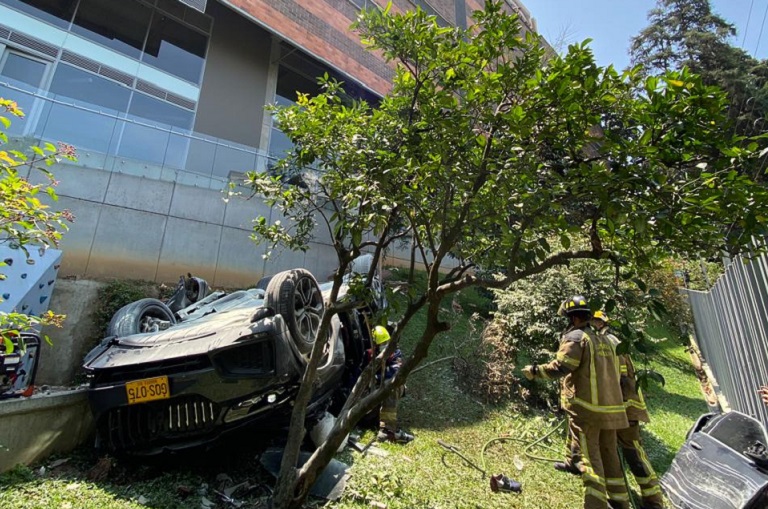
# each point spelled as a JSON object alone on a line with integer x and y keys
{"x": 569, "y": 468}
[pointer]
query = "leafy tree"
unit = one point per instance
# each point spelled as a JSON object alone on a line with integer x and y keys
{"x": 686, "y": 33}
{"x": 25, "y": 221}
{"x": 484, "y": 150}
{"x": 525, "y": 327}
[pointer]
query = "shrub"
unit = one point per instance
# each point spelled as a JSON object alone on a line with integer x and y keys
{"x": 525, "y": 327}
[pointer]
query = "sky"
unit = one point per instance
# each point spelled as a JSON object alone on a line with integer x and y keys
{"x": 611, "y": 23}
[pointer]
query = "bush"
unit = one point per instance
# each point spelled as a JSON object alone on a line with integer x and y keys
{"x": 525, "y": 328}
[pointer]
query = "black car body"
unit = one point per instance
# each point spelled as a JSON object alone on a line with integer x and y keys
{"x": 714, "y": 468}
{"x": 230, "y": 360}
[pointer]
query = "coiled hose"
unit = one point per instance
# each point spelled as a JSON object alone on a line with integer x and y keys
{"x": 531, "y": 444}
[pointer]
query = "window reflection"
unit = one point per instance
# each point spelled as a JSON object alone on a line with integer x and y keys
{"x": 175, "y": 48}
{"x": 89, "y": 88}
{"x": 121, "y": 25}
{"x": 23, "y": 69}
{"x": 162, "y": 113}
{"x": 55, "y": 12}
{"x": 87, "y": 130}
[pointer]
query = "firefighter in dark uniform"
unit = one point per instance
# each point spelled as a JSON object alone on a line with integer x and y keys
{"x": 629, "y": 438}
{"x": 389, "y": 430}
{"x": 591, "y": 396}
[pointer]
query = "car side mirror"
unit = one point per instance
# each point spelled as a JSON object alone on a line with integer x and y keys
{"x": 262, "y": 313}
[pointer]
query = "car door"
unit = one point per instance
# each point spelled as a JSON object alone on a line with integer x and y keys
{"x": 710, "y": 470}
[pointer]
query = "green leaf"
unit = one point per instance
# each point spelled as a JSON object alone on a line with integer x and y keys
{"x": 9, "y": 348}
{"x": 565, "y": 241}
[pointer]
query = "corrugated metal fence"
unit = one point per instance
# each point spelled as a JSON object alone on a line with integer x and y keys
{"x": 731, "y": 323}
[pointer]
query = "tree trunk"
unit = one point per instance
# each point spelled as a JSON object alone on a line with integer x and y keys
{"x": 288, "y": 481}
{"x": 295, "y": 488}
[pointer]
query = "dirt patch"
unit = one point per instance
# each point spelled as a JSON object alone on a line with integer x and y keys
{"x": 706, "y": 385}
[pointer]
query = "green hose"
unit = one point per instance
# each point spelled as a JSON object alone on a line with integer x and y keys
{"x": 531, "y": 444}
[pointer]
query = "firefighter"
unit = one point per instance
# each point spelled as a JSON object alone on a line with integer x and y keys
{"x": 591, "y": 396}
{"x": 629, "y": 438}
{"x": 388, "y": 428}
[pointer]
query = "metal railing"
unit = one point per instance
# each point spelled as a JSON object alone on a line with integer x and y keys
{"x": 731, "y": 323}
{"x": 116, "y": 141}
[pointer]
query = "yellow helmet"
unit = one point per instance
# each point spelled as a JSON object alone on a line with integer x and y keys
{"x": 599, "y": 315}
{"x": 380, "y": 335}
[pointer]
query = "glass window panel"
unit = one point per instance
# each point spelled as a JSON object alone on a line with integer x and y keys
{"x": 121, "y": 25}
{"x": 89, "y": 88}
{"x": 176, "y": 152}
{"x": 175, "y": 48}
{"x": 86, "y": 130}
{"x": 233, "y": 159}
{"x": 290, "y": 82}
{"x": 56, "y": 12}
{"x": 279, "y": 144}
{"x": 160, "y": 112}
{"x": 201, "y": 155}
{"x": 143, "y": 143}
{"x": 19, "y": 92}
{"x": 198, "y": 19}
{"x": 23, "y": 69}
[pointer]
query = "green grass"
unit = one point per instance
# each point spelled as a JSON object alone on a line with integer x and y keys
{"x": 418, "y": 475}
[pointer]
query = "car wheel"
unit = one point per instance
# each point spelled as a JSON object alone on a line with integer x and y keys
{"x": 145, "y": 315}
{"x": 296, "y": 296}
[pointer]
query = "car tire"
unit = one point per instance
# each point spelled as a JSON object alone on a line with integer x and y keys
{"x": 296, "y": 296}
{"x": 140, "y": 316}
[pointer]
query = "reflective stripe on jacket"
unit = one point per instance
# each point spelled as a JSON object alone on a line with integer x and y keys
{"x": 633, "y": 397}
{"x": 590, "y": 369}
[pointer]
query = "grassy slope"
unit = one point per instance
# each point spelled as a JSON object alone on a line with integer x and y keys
{"x": 418, "y": 475}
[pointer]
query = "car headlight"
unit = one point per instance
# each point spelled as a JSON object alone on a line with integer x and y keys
{"x": 255, "y": 358}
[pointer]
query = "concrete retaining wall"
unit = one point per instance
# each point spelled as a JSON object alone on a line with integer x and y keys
{"x": 36, "y": 427}
{"x": 130, "y": 225}
{"x": 61, "y": 360}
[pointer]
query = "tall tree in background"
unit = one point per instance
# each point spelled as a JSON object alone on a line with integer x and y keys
{"x": 687, "y": 33}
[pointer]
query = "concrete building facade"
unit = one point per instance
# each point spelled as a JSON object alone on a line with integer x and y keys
{"x": 164, "y": 101}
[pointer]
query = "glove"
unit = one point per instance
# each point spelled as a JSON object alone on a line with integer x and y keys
{"x": 529, "y": 372}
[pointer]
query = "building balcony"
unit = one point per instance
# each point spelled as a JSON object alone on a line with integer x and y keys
{"x": 116, "y": 141}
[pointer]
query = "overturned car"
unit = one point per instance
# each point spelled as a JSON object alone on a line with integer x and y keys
{"x": 168, "y": 379}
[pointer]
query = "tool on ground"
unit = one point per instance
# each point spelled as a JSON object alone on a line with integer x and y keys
{"x": 499, "y": 482}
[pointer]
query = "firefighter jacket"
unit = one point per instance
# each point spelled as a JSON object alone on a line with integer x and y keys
{"x": 633, "y": 397}
{"x": 589, "y": 367}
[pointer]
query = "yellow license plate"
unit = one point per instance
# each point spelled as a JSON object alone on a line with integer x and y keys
{"x": 150, "y": 389}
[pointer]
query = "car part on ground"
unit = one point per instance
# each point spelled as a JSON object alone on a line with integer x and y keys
{"x": 712, "y": 468}
{"x": 228, "y": 361}
{"x": 19, "y": 358}
{"x": 330, "y": 482}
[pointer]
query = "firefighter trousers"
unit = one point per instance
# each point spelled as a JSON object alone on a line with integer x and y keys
{"x": 637, "y": 460}
{"x": 601, "y": 468}
{"x": 388, "y": 411}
